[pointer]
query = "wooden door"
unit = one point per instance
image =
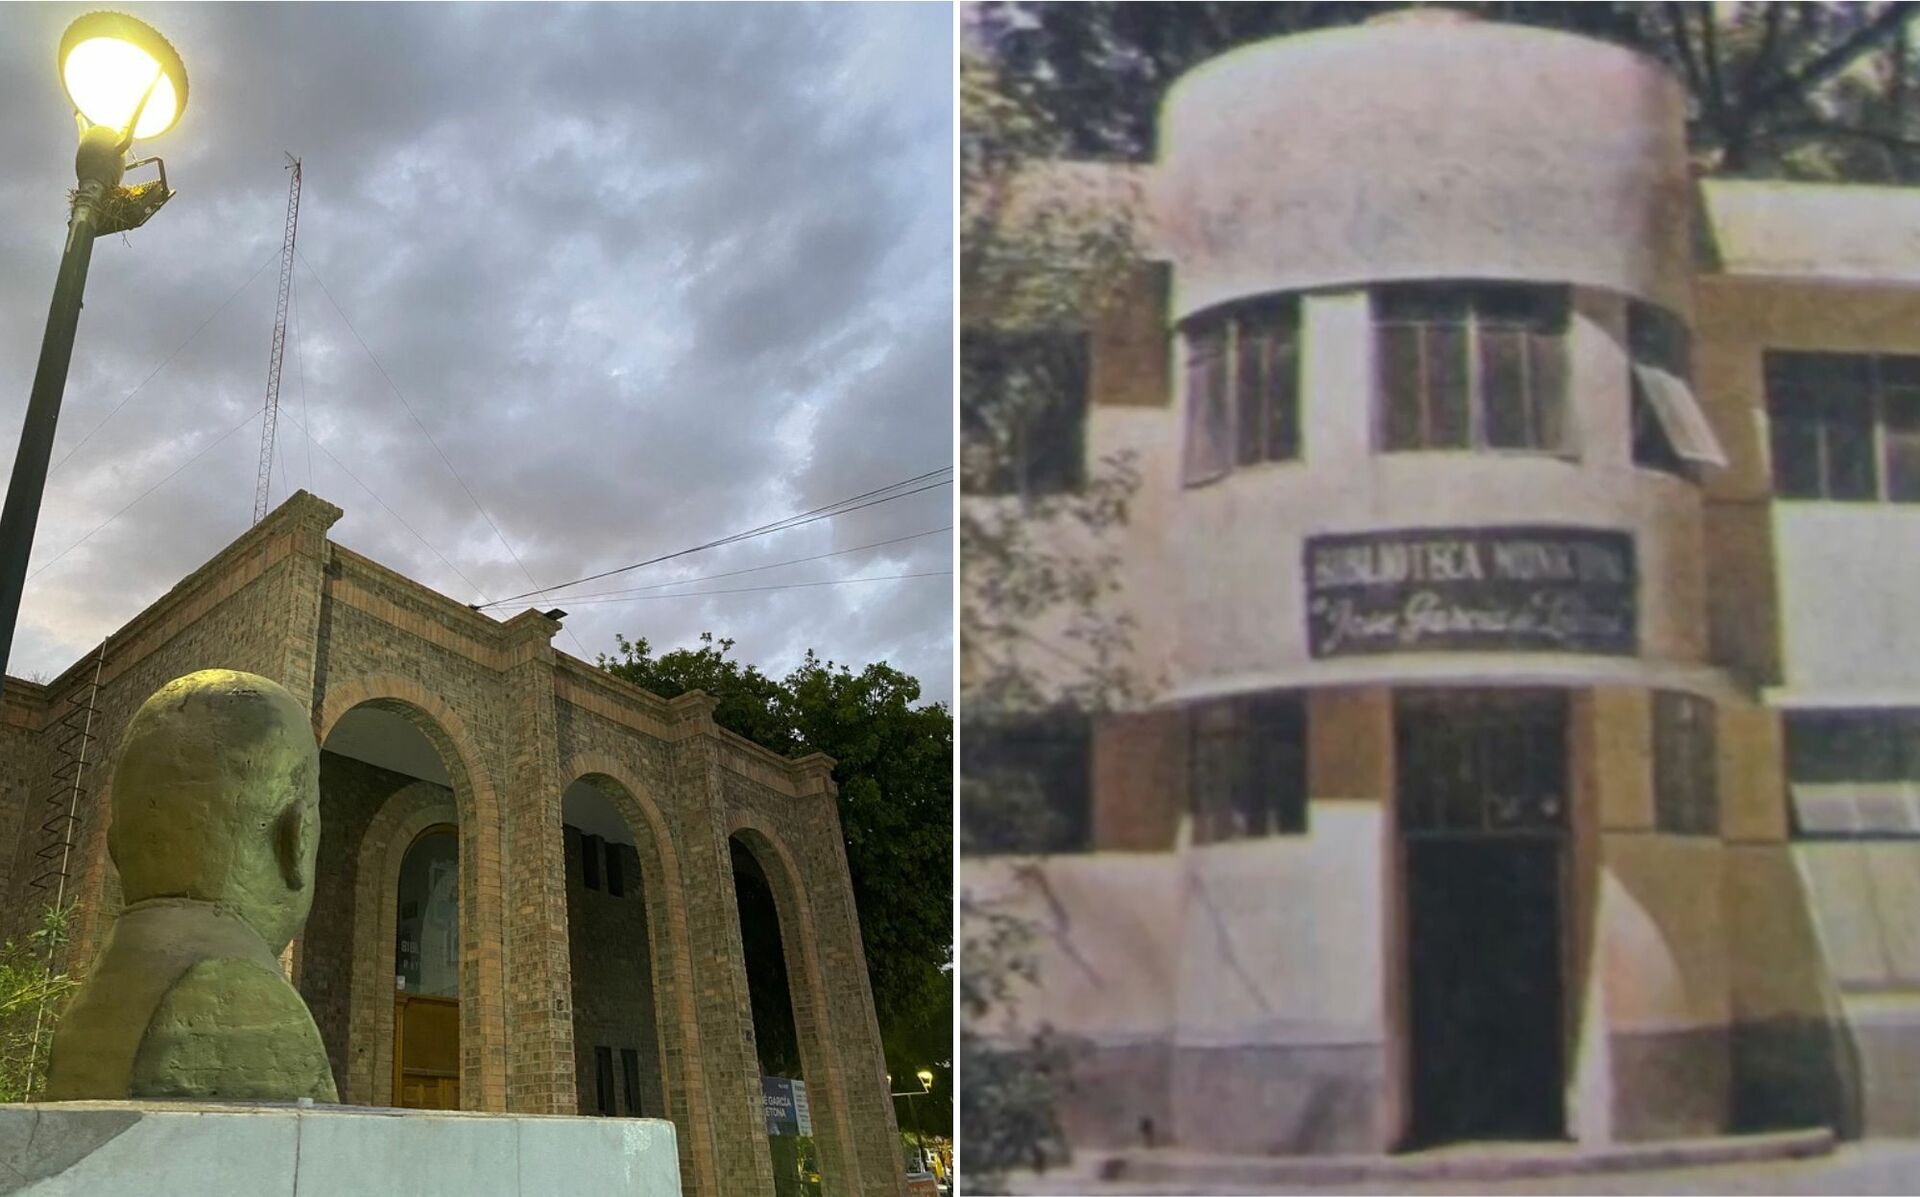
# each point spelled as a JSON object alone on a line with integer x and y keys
{"x": 426, "y": 1052}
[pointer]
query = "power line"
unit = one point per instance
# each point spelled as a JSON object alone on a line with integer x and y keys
{"x": 143, "y": 494}
{"x": 827, "y": 511}
{"x": 415, "y": 417}
{"x": 581, "y": 598}
{"x": 300, "y": 374}
{"x": 939, "y": 573}
{"x": 191, "y": 337}
{"x": 471, "y": 497}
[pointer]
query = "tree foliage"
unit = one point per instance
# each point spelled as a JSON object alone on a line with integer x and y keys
{"x": 1040, "y": 627}
{"x": 893, "y": 762}
{"x": 32, "y": 998}
{"x": 1802, "y": 90}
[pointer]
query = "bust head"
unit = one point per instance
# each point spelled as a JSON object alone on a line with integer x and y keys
{"x": 216, "y": 798}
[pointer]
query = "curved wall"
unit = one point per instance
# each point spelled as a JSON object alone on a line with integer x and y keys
{"x": 1425, "y": 147}
{"x": 1232, "y": 549}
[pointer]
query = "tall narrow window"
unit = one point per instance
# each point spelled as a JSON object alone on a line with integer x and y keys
{"x": 1248, "y": 768}
{"x": 1243, "y": 388}
{"x": 427, "y": 931}
{"x": 1472, "y": 367}
{"x": 1209, "y": 412}
{"x": 616, "y": 876}
{"x": 590, "y": 854}
{"x": 630, "y": 1078}
{"x": 603, "y": 1080}
{"x": 1685, "y": 786}
{"x": 1900, "y": 426}
{"x": 1023, "y": 402}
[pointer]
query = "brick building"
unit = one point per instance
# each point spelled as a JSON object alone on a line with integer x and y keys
{"x": 1523, "y": 580}
{"x": 526, "y": 895}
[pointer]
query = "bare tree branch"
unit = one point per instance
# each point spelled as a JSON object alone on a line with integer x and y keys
{"x": 1835, "y": 60}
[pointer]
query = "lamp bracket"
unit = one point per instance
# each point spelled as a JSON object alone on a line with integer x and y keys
{"x": 129, "y": 206}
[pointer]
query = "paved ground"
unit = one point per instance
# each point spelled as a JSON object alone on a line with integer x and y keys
{"x": 1875, "y": 1167}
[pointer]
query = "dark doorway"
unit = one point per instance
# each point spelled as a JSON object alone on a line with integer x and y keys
{"x": 1483, "y": 801}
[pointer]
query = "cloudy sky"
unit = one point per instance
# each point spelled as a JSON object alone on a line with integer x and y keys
{"x": 648, "y": 274}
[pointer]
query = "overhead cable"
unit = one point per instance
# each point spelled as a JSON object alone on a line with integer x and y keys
{"x": 754, "y": 569}
{"x": 191, "y": 337}
{"x": 938, "y": 573}
{"x": 828, "y": 511}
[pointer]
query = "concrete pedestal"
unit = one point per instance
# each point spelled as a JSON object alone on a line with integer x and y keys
{"x": 190, "y": 1149}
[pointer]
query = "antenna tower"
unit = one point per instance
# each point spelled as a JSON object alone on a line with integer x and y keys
{"x": 279, "y": 343}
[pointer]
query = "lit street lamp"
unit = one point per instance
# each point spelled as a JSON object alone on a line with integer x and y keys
{"x": 925, "y": 1076}
{"x": 125, "y": 82}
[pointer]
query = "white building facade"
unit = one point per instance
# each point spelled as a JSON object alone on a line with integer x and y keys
{"x": 1519, "y": 558}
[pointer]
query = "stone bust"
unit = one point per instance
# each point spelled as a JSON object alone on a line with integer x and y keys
{"x": 216, "y": 823}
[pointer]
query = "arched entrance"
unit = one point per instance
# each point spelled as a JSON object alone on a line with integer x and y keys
{"x": 635, "y": 993}
{"x": 388, "y": 962}
{"x": 616, "y": 1037}
{"x": 426, "y": 973}
{"x": 791, "y": 1039}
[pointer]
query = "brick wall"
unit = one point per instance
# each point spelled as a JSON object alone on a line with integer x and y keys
{"x": 612, "y": 979}
{"x": 351, "y": 793}
{"x": 514, "y": 722}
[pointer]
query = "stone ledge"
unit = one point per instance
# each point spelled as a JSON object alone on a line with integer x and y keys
{"x": 1202, "y": 1173}
{"x": 177, "y": 1149}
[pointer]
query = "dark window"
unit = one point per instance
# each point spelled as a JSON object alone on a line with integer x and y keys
{"x": 603, "y": 1079}
{"x": 1686, "y": 796}
{"x": 630, "y": 1076}
{"x": 1900, "y": 426}
{"x": 616, "y": 876}
{"x": 1243, "y": 388}
{"x": 1209, "y": 411}
{"x": 1855, "y": 773}
{"x": 1472, "y": 367}
{"x": 1656, "y": 339}
{"x": 590, "y": 853}
{"x": 1853, "y": 746}
{"x": 1023, "y": 410}
{"x": 1486, "y": 761}
{"x": 1844, "y": 426}
{"x": 1249, "y": 768}
{"x": 1036, "y": 778}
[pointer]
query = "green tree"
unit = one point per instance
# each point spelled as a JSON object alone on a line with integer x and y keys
{"x": 32, "y": 998}
{"x": 893, "y": 763}
{"x": 1804, "y": 90}
{"x": 1039, "y": 249}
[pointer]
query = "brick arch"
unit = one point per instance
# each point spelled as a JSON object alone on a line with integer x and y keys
{"x": 483, "y": 1033}
{"x": 827, "y": 1090}
{"x": 682, "y": 1062}
{"x": 409, "y": 811}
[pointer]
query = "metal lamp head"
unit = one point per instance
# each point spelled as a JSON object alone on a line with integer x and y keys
{"x": 120, "y": 74}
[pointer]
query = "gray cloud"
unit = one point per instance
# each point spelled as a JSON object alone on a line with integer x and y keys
{"x": 649, "y": 274}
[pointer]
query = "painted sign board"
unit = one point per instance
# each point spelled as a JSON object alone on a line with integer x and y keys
{"x": 777, "y": 1092}
{"x": 1521, "y": 588}
{"x": 802, "y": 1112}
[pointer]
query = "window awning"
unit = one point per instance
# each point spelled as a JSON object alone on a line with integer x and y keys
{"x": 1680, "y": 416}
{"x": 1856, "y": 809}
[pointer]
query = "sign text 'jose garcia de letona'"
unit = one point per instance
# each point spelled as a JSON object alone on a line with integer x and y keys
{"x": 1515, "y": 589}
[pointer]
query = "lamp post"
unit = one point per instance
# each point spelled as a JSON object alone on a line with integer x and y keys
{"x": 125, "y": 82}
{"x": 925, "y": 1076}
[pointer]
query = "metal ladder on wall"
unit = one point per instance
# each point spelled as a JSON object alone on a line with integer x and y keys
{"x": 72, "y": 751}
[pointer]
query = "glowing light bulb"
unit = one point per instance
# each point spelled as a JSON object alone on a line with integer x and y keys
{"x": 110, "y": 62}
